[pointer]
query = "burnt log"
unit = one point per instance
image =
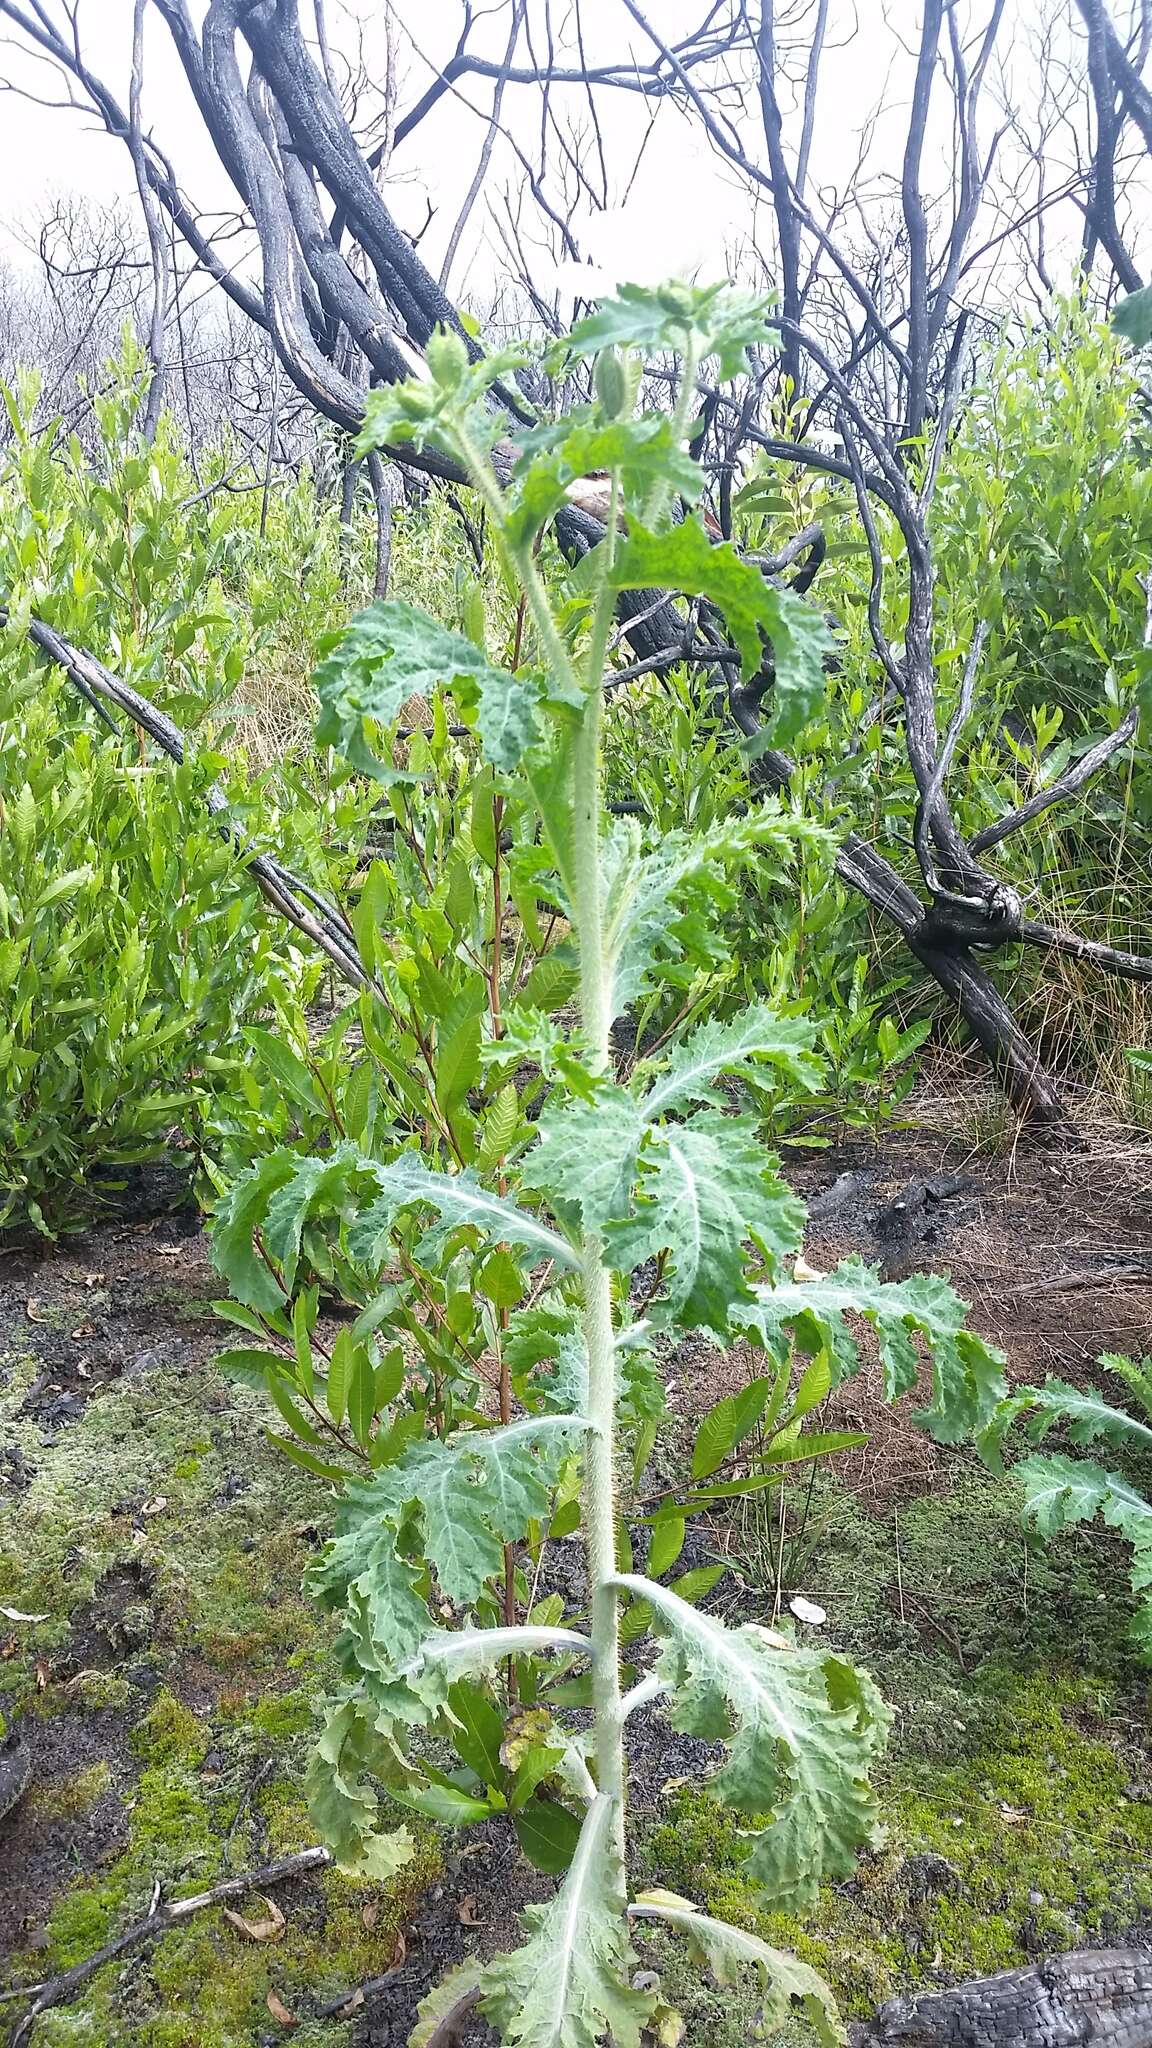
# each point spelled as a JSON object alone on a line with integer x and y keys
{"x": 1094, "y": 1998}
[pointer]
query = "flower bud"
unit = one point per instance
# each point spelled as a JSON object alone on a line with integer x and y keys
{"x": 611, "y": 383}
{"x": 447, "y": 358}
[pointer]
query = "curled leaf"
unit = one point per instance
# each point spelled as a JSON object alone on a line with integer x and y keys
{"x": 268, "y": 1929}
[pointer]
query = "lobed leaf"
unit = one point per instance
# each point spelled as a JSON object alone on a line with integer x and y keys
{"x": 803, "y": 1727}
{"x": 967, "y": 1377}
{"x": 568, "y": 1987}
{"x": 706, "y": 1187}
{"x": 1086, "y": 1415}
{"x": 684, "y": 558}
{"x": 473, "y": 1493}
{"x": 724, "y": 1046}
{"x": 460, "y": 1199}
{"x": 393, "y": 651}
{"x": 786, "y": 1984}
{"x": 344, "y": 1812}
{"x": 723, "y": 322}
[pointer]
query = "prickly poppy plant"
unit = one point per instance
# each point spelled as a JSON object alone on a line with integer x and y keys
{"x": 612, "y": 1213}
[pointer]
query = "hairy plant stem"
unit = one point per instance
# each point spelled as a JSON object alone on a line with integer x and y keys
{"x": 584, "y": 886}
{"x": 596, "y": 1018}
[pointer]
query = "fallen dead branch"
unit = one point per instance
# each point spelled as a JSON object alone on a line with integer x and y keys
{"x": 59, "y": 1990}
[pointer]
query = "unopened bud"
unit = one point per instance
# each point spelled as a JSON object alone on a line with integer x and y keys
{"x": 447, "y": 358}
{"x": 611, "y": 380}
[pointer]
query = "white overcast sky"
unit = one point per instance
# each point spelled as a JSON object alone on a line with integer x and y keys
{"x": 683, "y": 206}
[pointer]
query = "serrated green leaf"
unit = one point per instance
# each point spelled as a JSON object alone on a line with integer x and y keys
{"x": 1087, "y": 1417}
{"x": 1060, "y": 1492}
{"x": 684, "y": 558}
{"x": 723, "y": 1046}
{"x": 586, "y": 1155}
{"x": 644, "y": 450}
{"x": 393, "y": 651}
{"x": 459, "y": 1198}
{"x": 647, "y": 891}
{"x": 724, "y": 322}
{"x": 696, "y": 1585}
{"x": 967, "y": 1377}
{"x": 726, "y": 1424}
{"x": 282, "y": 1063}
{"x": 474, "y": 1493}
{"x": 345, "y": 1813}
{"x": 803, "y": 1729}
{"x": 501, "y": 1124}
{"x": 568, "y": 1987}
{"x": 458, "y": 1048}
{"x": 361, "y": 1394}
{"x": 787, "y": 1986}
{"x": 362, "y": 1573}
{"x": 815, "y": 1385}
{"x": 339, "y": 1373}
{"x": 706, "y": 1188}
{"x": 237, "y": 1218}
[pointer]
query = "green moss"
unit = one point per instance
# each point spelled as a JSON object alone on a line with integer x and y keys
{"x": 169, "y": 1730}
{"x": 205, "y": 1984}
{"x": 283, "y": 1718}
{"x": 72, "y": 1797}
{"x": 92, "y": 1690}
{"x": 216, "y": 1573}
{"x": 1004, "y": 1801}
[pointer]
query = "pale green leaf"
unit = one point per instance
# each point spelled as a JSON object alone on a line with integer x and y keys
{"x": 1084, "y": 1414}
{"x": 803, "y": 1728}
{"x": 568, "y": 1987}
{"x": 967, "y": 1376}
{"x": 648, "y": 892}
{"x": 474, "y": 1492}
{"x": 706, "y": 1188}
{"x": 788, "y": 1987}
{"x": 587, "y": 1154}
{"x": 723, "y": 1046}
{"x": 393, "y": 651}
{"x": 344, "y": 1812}
{"x": 459, "y": 1199}
{"x": 442, "y": 2010}
{"x": 725, "y": 322}
{"x": 1059, "y": 1492}
{"x": 362, "y": 1573}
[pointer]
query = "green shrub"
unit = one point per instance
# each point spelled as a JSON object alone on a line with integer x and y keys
{"x": 129, "y": 952}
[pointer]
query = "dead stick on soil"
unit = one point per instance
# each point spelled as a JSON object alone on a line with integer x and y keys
{"x": 899, "y": 1573}
{"x": 60, "y": 1989}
